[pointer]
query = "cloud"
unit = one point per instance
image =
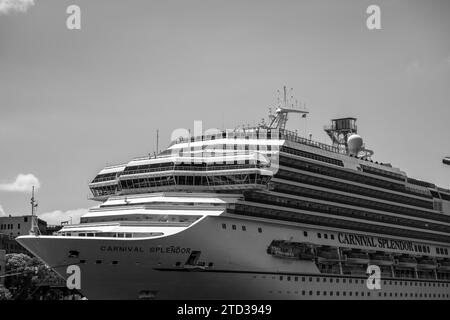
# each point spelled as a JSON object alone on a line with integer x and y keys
{"x": 7, "y": 6}
{"x": 2, "y": 212}
{"x": 23, "y": 183}
{"x": 58, "y": 216}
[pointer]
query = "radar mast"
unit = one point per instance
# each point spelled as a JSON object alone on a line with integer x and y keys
{"x": 279, "y": 119}
{"x": 34, "y": 223}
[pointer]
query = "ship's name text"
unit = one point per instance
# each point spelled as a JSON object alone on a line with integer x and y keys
{"x": 170, "y": 250}
{"x": 374, "y": 242}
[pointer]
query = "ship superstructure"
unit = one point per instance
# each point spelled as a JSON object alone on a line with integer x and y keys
{"x": 258, "y": 213}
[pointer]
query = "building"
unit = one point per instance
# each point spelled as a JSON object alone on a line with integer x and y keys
{"x": 51, "y": 229}
{"x": 14, "y": 226}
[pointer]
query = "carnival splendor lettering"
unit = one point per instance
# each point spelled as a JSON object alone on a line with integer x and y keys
{"x": 374, "y": 242}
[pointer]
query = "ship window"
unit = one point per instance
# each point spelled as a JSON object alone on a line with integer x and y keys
{"x": 224, "y": 226}
{"x": 98, "y": 261}
{"x": 281, "y": 277}
{"x": 233, "y": 227}
{"x": 332, "y": 236}
{"x": 305, "y": 233}
{"x": 288, "y": 278}
{"x": 303, "y": 292}
{"x": 244, "y": 228}
{"x": 325, "y": 236}
{"x": 337, "y": 293}
{"x": 319, "y": 235}
{"x": 211, "y": 264}
{"x": 115, "y": 262}
{"x": 295, "y": 278}
{"x": 310, "y": 292}
{"x": 82, "y": 261}
{"x": 260, "y": 230}
{"x": 303, "y": 279}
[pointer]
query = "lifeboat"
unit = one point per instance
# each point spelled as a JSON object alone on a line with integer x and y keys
{"x": 354, "y": 257}
{"x": 444, "y": 265}
{"x": 327, "y": 255}
{"x": 406, "y": 262}
{"x": 381, "y": 259}
{"x": 291, "y": 250}
{"x": 426, "y": 263}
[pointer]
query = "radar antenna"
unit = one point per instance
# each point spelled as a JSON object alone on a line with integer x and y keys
{"x": 340, "y": 131}
{"x": 446, "y": 160}
{"x": 278, "y": 121}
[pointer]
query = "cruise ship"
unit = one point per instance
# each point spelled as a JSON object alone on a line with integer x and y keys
{"x": 258, "y": 213}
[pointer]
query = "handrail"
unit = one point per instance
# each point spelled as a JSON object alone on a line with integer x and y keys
{"x": 191, "y": 168}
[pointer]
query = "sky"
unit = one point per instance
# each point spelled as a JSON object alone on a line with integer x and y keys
{"x": 74, "y": 101}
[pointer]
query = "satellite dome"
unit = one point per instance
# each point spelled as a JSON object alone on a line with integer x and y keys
{"x": 354, "y": 143}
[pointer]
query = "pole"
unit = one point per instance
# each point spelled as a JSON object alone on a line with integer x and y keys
{"x": 157, "y": 141}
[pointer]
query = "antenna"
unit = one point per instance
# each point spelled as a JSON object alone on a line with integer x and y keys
{"x": 278, "y": 121}
{"x": 157, "y": 141}
{"x": 34, "y": 225}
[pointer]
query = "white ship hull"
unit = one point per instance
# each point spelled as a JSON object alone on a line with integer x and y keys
{"x": 241, "y": 269}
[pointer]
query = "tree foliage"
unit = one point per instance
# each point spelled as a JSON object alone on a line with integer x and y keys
{"x": 25, "y": 274}
{"x": 4, "y": 293}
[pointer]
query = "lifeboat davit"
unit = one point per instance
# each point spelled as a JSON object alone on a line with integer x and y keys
{"x": 406, "y": 262}
{"x": 357, "y": 257}
{"x": 381, "y": 259}
{"x": 444, "y": 265}
{"x": 327, "y": 255}
{"x": 428, "y": 264}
